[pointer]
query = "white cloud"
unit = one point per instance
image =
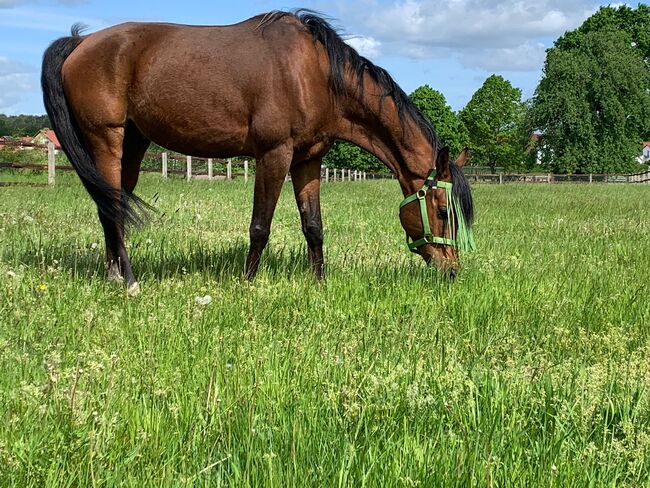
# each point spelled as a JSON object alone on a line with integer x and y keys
{"x": 16, "y": 80}
{"x": 525, "y": 57}
{"x": 366, "y": 46}
{"x": 503, "y": 35}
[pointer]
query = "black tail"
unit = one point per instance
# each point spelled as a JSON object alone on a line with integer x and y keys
{"x": 115, "y": 204}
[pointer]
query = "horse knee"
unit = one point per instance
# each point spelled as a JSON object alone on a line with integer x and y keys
{"x": 259, "y": 235}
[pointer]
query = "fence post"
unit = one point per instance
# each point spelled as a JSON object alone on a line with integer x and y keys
{"x": 210, "y": 172}
{"x": 51, "y": 163}
{"x": 591, "y": 178}
{"x": 327, "y": 175}
{"x": 500, "y": 178}
{"x": 189, "y": 168}
{"x": 164, "y": 165}
{"x": 549, "y": 178}
{"x": 246, "y": 171}
{"x": 334, "y": 177}
{"x": 229, "y": 169}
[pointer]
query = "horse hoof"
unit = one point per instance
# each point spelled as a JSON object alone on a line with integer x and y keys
{"x": 134, "y": 289}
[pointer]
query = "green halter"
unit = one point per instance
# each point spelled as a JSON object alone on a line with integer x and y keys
{"x": 464, "y": 237}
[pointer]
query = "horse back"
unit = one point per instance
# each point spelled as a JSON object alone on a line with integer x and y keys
{"x": 203, "y": 90}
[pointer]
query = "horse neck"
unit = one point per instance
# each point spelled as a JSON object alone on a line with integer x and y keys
{"x": 376, "y": 126}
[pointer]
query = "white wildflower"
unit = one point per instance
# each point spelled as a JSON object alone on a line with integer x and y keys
{"x": 203, "y": 301}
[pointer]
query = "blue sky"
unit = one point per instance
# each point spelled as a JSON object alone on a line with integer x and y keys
{"x": 451, "y": 45}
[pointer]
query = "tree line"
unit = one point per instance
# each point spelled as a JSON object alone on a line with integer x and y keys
{"x": 22, "y": 125}
{"x": 589, "y": 113}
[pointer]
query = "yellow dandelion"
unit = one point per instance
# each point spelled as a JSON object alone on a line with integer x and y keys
{"x": 42, "y": 287}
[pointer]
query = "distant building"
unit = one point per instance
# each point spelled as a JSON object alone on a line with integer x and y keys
{"x": 645, "y": 155}
{"x": 4, "y": 140}
{"x": 44, "y": 136}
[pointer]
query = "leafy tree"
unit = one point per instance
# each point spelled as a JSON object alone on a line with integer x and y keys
{"x": 348, "y": 156}
{"x": 493, "y": 118}
{"x": 593, "y": 104}
{"x": 634, "y": 22}
{"x": 626, "y": 20}
{"x": 450, "y": 129}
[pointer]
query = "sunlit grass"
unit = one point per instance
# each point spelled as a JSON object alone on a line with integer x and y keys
{"x": 530, "y": 370}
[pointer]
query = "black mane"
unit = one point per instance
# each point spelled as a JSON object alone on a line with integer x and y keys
{"x": 462, "y": 193}
{"x": 344, "y": 57}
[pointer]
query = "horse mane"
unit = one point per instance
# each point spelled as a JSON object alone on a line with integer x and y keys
{"x": 462, "y": 193}
{"x": 343, "y": 57}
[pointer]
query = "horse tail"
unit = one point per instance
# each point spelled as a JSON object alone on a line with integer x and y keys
{"x": 115, "y": 204}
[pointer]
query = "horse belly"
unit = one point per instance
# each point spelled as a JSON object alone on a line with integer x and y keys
{"x": 195, "y": 124}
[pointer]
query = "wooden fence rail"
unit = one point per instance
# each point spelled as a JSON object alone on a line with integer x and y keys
{"x": 327, "y": 174}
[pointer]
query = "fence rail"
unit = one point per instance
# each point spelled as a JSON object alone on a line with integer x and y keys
{"x": 188, "y": 166}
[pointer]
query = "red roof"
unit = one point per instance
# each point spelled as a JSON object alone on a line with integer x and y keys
{"x": 52, "y": 137}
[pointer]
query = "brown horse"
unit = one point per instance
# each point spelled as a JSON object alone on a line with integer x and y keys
{"x": 281, "y": 88}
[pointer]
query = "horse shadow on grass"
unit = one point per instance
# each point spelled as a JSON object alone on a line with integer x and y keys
{"x": 159, "y": 263}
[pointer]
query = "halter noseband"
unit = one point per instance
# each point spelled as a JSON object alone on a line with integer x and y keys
{"x": 464, "y": 239}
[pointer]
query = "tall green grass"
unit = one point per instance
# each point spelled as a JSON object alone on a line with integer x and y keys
{"x": 531, "y": 369}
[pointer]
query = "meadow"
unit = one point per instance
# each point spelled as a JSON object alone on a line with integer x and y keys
{"x": 531, "y": 369}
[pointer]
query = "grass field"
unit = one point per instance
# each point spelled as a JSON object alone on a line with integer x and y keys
{"x": 532, "y": 369}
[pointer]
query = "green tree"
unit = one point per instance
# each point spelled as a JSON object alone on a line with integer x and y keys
{"x": 634, "y": 22}
{"x": 592, "y": 104}
{"x": 348, "y": 156}
{"x": 4, "y": 128}
{"x": 448, "y": 126}
{"x": 493, "y": 118}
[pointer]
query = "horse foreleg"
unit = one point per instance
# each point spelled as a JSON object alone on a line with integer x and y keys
{"x": 271, "y": 170}
{"x": 306, "y": 186}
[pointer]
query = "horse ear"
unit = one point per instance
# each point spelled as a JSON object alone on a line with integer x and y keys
{"x": 442, "y": 162}
{"x": 463, "y": 157}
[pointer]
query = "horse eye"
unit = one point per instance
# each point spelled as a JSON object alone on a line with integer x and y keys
{"x": 442, "y": 213}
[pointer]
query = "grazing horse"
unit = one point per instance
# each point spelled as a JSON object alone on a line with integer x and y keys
{"x": 280, "y": 87}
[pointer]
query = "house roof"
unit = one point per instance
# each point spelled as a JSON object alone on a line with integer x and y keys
{"x": 49, "y": 133}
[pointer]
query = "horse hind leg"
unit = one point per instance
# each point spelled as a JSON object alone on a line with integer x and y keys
{"x": 118, "y": 153}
